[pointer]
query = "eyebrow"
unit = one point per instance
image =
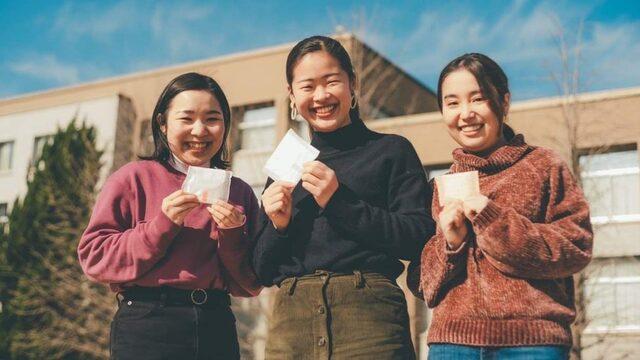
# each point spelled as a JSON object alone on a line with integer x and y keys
{"x": 475, "y": 92}
{"x": 191, "y": 112}
{"x": 323, "y": 77}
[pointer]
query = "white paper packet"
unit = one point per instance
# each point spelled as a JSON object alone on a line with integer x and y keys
{"x": 288, "y": 158}
{"x": 457, "y": 186}
{"x": 208, "y": 184}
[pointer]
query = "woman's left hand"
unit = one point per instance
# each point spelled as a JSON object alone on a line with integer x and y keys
{"x": 474, "y": 205}
{"x": 320, "y": 181}
{"x": 226, "y": 215}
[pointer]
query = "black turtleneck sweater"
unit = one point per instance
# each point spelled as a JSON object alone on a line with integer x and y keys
{"x": 379, "y": 213}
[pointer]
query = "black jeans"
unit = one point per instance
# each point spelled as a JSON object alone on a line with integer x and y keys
{"x": 156, "y": 330}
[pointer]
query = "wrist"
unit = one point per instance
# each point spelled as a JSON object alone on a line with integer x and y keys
{"x": 281, "y": 229}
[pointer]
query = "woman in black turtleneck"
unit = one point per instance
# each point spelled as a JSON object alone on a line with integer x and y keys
{"x": 332, "y": 242}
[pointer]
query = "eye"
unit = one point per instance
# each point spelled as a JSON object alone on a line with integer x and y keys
{"x": 213, "y": 119}
{"x": 452, "y": 104}
{"x": 478, "y": 99}
{"x": 306, "y": 88}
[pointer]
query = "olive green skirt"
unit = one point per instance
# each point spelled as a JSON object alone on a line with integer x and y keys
{"x": 339, "y": 316}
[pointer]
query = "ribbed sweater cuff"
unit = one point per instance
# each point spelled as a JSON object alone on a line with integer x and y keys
{"x": 233, "y": 239}
{"x": 489, "y": 214}
{"x": 162, "y": 231}
{"x": 478, "y": 332}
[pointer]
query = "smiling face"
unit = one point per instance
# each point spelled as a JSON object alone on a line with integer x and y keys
{"x": 468, "y": 115}
{"x": 194, "y": 127}
{"x": 321, "y": 91}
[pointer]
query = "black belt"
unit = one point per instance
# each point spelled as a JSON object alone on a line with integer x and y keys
{"x": 174, "y": 296}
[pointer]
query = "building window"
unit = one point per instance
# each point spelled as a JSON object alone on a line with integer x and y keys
{"x": 611, "y": 291}
{"x": 4, "y": 217}
{"x": 38, "y": 145}
{"x": 6, "y": 155}
{"x": 611, "y": 183}
{"x": 257, "y": 128}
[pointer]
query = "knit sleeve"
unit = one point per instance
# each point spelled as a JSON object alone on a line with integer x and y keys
{"x": 557, "y": 248}
{"x": 402, "y": 227}
{"x": 431, "y": 276}
{"x": 271, "y": 247}
{"x": 112, "y": 250}
{"x": 235, "y": 244}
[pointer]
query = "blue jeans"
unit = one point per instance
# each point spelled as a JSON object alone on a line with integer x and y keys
{"x": 461, "y": 352}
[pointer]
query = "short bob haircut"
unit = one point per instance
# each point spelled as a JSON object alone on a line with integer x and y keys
{"x": 185, "y": 82}
{"x": 491, "y": 78}
{"x": 333, "y": 48}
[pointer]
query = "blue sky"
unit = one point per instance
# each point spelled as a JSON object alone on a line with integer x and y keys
{"x": 49, "y": 44}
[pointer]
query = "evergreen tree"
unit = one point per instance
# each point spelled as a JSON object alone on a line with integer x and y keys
{"x": 52, "y": 311}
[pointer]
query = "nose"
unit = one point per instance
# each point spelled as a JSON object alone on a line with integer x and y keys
{"x": 198, "y": 129}
{"x": 320, "y": 93}
{"x": 466, "y": 112}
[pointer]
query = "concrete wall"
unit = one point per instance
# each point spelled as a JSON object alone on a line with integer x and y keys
{"x": 23, "y": 127}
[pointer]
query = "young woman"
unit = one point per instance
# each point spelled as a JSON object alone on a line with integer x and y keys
{"x": 173, "y": 261}
{"x": 498, "y": 272}
{"x": 332, "y": 242}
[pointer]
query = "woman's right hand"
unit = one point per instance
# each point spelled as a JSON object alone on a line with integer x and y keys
{"x": 277, "y": 203}
{"x": 453, "y": 224}
{"x": 178, "y": 205}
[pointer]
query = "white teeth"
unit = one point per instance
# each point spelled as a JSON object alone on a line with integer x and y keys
{"x": 198, "y": 145}
{"x": 471, "y": 127}
{"x": 325, "y": 109}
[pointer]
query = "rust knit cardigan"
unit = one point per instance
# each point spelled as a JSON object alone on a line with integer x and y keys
{"x": 511, "y": 282}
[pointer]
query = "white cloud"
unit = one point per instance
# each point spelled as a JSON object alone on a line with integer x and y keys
{"x": 173, "y": 27}
{"x": 522, "y": 39}
{"x": 47, "y": 67}
{"x": 75, "y": 20}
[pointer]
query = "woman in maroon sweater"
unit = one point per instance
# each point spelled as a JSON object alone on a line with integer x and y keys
{"x": 172, "y": 260}
{"x": 498, "y": 272}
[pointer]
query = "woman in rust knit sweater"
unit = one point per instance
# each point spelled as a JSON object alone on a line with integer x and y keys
{"x": 498, "y": 272}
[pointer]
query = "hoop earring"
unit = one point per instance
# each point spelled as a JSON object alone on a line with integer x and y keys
{"x": 294, "y": 111}
{"x": 354, "y": 101}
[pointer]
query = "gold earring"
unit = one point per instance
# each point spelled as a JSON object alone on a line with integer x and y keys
{"x": 294, "y": 111}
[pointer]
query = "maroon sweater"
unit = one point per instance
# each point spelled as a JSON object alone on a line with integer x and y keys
{"x": 511, "y": 283}
{"x": 130, "y": 241}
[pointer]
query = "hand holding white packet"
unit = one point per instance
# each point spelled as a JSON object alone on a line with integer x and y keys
{"x": 458, "y": 186}
{"x": 285, "y": 164}
{"x": 208, "y": 184}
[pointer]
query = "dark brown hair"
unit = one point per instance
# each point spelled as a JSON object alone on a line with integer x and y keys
{"x": 491, "y": 78}
{"x": 333, "y": 48}
{"x": 185, "y": 82}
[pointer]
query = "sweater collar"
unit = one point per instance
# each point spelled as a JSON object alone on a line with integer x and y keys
{"x": 345, "y": 138}
{"x": 500, "y": 159}
{"x": 177, "y": 164}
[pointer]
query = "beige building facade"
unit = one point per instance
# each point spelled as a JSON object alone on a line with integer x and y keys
{"x": 600, "y": 131}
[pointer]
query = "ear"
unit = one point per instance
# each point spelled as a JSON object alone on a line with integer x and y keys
{"x": 163, "y": 125}
{"x": 353, "y": 85}
{"x": 507, "y": 103}
{"x": 292, "y": 98}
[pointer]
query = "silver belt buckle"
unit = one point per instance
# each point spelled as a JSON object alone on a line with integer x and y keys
{"x": 193, "y": 297}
